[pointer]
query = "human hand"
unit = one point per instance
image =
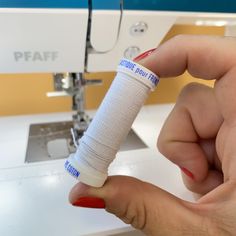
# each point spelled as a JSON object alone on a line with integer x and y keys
{"x": 198, "y": 136}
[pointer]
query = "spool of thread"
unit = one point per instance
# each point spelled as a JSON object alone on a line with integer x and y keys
{"x": 111, "y": 124}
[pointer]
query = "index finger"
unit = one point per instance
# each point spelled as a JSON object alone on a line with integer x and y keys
{"x": 204, "y": 57}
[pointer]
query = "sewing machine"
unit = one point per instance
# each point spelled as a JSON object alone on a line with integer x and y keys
{"x": 68, "y": 39}
{"x": 74, "y": 37}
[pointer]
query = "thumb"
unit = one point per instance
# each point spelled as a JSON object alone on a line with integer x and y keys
{"x": 144, "y": 206}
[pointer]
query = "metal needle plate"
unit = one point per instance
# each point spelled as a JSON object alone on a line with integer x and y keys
{"x": 50, "y": 141}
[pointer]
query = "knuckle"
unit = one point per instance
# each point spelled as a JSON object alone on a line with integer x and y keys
{"x": 127, "y": 201}
{"x": 162, "y": 145}
{"x": 166, "y": 138}
{"x": 135, "y": 216}
{"x": 190, "y": 89}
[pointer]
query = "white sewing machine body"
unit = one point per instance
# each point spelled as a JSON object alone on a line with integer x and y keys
{"x": 92, "y": 35}
{"x": 83, "y": 36}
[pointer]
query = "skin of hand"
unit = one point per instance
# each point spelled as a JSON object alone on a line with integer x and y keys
{"x": 199, "y": 135}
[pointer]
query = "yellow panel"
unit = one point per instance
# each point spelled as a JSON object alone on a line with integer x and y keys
{"x": 26, "y": 93}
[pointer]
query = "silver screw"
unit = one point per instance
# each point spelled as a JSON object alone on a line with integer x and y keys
{"x": 131, "y": 52}
{"x": 138, "y": 28}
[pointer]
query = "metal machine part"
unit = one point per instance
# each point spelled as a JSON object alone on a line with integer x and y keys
{"x": 138, "y": 29}
{"x": 132, "y": 52}
{"x": 51, "y": 141}
{"x": 55, "y": 140}
{"x": 72, "y": 84}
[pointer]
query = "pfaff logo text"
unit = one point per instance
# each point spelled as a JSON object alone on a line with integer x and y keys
{"x": 35, "y": 56}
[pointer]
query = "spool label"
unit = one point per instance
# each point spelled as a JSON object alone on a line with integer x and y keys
{"x": 138, "y": 70}
{"x": 71, "y": 169}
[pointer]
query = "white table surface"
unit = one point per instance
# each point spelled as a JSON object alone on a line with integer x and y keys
{"x": 33, "y": 197}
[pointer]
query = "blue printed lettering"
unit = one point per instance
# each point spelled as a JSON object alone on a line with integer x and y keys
{"x": 141, "y": 72}
{"x": 153, "y": 79}
{"x": 127, "y": 64}
{"x": 71, "y": 169}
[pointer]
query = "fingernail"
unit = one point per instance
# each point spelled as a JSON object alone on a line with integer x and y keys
{"x": 187, "y": 172}
{"x": 143, "y": 55}
{"x": 90, "y": 202}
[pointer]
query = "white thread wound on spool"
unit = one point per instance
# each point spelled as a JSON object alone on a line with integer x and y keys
{"x": 111, "y": 124}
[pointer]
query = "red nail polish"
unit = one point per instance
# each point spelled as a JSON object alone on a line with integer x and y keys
{"x": 90, "y": 202}
{"x": 187, "y": 172}
{"x": 143, "y": 55}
